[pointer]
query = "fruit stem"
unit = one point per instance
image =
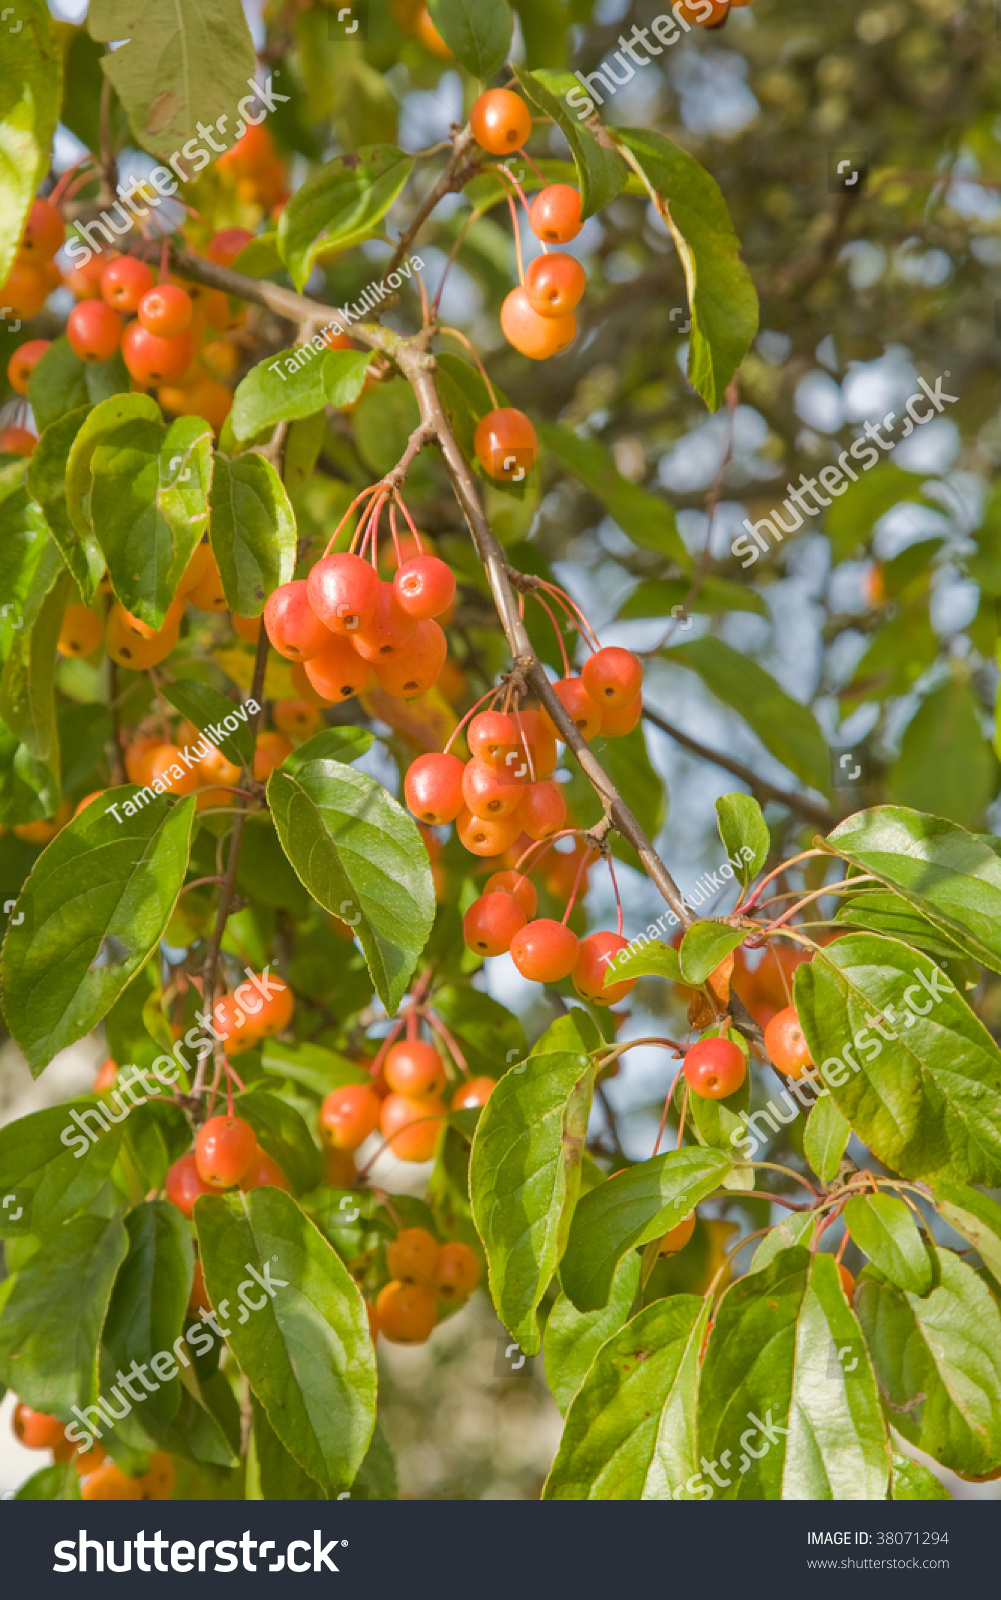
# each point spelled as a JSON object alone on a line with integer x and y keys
{"x": 491, "y": 695}
{"x": 556, "y": 628}
{"x": 576, "y": 885}
{"x": 60, "y": 189}
{"x": 443, "y": 1033}
{"x": 667, "y": 1104}
{"x": 681, "y": 1119}
{"x": 371, "y": 489}
{"x": 773, "y": 1166}
{"x": 752, "y": 900}
{"x": 618, "y": 897}
{"x": 575, "y": 614}
{"x": 491, "y": 391}
{"x": 390, "y": 1038}
{"x": 517, "y": 240}
{"x": 818, "y": 894}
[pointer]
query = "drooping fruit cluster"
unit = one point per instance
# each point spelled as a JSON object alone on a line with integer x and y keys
{"x": 100, "y": 1477}
{"x": 192, "y": 763}
{"x": 537, "y": 316}
{"x": 422, "y": 1274}
{"x": 347, "y": 627}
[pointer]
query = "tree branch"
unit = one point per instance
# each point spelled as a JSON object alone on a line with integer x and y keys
{"x": 812, "y": 810}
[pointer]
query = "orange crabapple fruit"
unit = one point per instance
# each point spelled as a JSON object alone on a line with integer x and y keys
{"x": 516, "y": 884}
{"x": 492, "y": 922}
{"x": 786, "y": 1043}
{"x": 545, "y": 951}
{"x": 469, "y": 1096}
{"x": 487, "y": 836}
{"x": 500, "y": 121}
{"x": 554, "y": 284}
{"x": 224, "y": 1150}
{"x": 612, "y": 676}
{"x": 424, "y": 586}
{"x": 406, "y": 1312}
{"x": 24, "y": 361}
{"x": 583, "y": 712}
{"x": 533, "y": 335}
{"x": 348, "y": 1115}
{"x": 715, "y": 1068}
{"x": 344, "y": 592}
{"x": 414, "y": 669}
{"x": 486, "y": 792}
{"x": 554, "y": 215}
{"x": 543, "y": 809}
{"x": 414, "y": 1068}
{"x": 411, "y": 1127}
{"x": 337, "y": 672}
{"x": 432, "y": 788}
{"x": 676, "y": 1238}
{"x": 598, "y": 953}
{"x": 184, "y": 1185}
{"x": 412, "y": 1256}
{"x": 457, "y": 1272}
{"x": 505, "y": 444}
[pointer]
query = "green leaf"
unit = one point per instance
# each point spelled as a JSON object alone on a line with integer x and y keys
{"x": 58, "y": 1482}
{"x": 795, "y": 1228}
{"x": 28, "y": 684}
{"x": 952, "y": 877}
{"x": 786, "y": 727}
{"x": 183, "y": 64}
{"x": 745, "y": 835}
{"x": 207, "y": 708}
{"x": 332, "y": 744}
{"x": 601, "y": 172}
{"x": 294, "y": 383}
{"x": 61, "y": 382}
{"x": 640, "y": 1204}
{"x": 30, "y": 92}
{"x": 62, "y": 1175}
{"x": 478, "y": 33}
{"x": 630, "y": 1431}
{"x": 340, "y": 205}
{"x": 888, "y": 913}
{"x": 946, "y": 765}
{"x": 47, "y": 485}
{"x": 383, "y": 421}
{"x": 29, "y": 562}
{"x": 788, "y": 1391}
{"x": 645, "y": 517}
{"x": 721, "y": 296}
{"x": 149, "y": 506}
{"x": 925, "y": 1100}
{"x": 524, "y": 1172}
{"x": 573, "y": 1338}
{"x": 938, "y": 1360}
{"x": 149, "y": 1301}
{"x": 651, "y": 958}
{"x": 281, "y": 1477}
{"x": 976, "y": 1216}
{"x": 302, "y": 1343}
{"x": 911, "y": 1481}
{"x": 311, "y": 1065}
{"x": 704, "y": 945}
{"x": 885, "y": 1231}
{"x": 283, "y": 1134}
{"x": 251, "y": 530}
{"x": 50, "y": 1328}
{"x": 825, "y": 1138}
{"x": 360, "y": 855}
{"x": 95, "y": 907}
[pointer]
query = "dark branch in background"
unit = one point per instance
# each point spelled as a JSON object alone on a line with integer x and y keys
{"x": 450, "y": 181}
{"x": 812, "y": 810}
{"x": 417, "y": 366}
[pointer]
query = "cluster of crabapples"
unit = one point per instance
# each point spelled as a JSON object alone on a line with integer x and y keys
{"x": 537, "y": 317}
{"x": 100, "y": 1477}
{"x": 344, "y": 626}
{"x": 423, "y": 1275}
{"x": 505, "y": 803}
{"x": 178, "y": 338}
{"x": 404, "y": 1101}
